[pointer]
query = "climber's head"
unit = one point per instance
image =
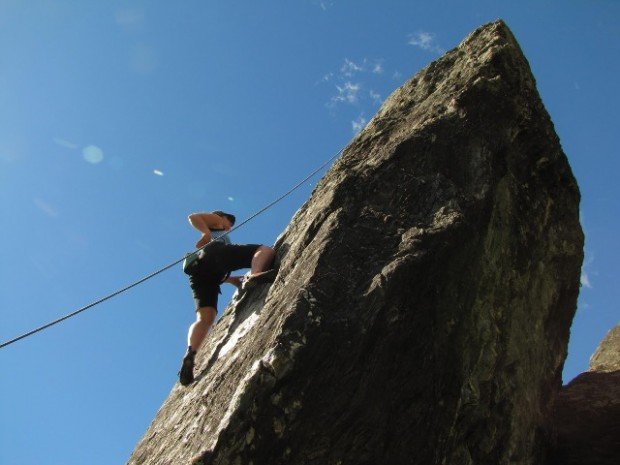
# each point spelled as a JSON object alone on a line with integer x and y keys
{"x": 228, "y": 216}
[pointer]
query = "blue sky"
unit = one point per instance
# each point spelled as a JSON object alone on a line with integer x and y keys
{"x": 119, "y": 118}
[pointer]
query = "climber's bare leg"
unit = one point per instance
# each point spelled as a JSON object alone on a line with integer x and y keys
{"x": 262, "y": 260}
{"x": 205, "y": 316}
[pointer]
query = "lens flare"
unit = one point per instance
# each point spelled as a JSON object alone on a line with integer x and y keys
{"x": 92, "y": 154}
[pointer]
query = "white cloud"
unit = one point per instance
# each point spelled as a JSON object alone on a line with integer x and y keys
{"x": 587, "y": 270}
{"x": 158, "y": 172}
{"x": 349, "y": 68}
{"x": 351, "y": 78}
{"x": 397, "y": 75}
{"x": 358, "y": 124}
{"x": 375, "y": 96}
{"x": 425, "y": 41}
{"x": 585, "y": 281}
{"x": 347, "y": 93}
{"x": 328, "y": 77}
{"x": 231, "y": 199}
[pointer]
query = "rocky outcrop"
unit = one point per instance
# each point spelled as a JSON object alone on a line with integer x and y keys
{"x": 425, "y": 293}
{"x": 587, "y": 413}
{"x": 607, "y": 356}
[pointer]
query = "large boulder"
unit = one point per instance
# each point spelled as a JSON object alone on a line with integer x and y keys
{"x": 426, "y": 289}
{"x": 587, "y": 412}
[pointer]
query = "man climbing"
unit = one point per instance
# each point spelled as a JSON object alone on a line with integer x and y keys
{"x": 211, "y": 267}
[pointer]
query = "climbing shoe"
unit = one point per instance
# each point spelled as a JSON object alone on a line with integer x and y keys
{"x": 186, "y": 375}
{"x": 260, "y": 278}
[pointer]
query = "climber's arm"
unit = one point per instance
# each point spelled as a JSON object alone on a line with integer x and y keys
{"x": 205, "y": 222}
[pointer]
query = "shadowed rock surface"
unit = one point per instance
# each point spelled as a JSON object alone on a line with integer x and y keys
{"x": 587, "y": 414}
{"x": 425, "y": 293}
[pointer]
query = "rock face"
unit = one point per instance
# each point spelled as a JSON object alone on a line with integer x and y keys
{"x": 587, "y": 413}
{"x": 607, "y": 357}
{"x": 425, "y": 293}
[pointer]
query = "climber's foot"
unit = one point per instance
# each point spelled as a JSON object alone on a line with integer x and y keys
{"x": 260, "y": 278}
{"x": 186, "y": 374}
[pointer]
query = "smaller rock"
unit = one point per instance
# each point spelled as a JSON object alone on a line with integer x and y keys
{"x": 587, "y": 412}
{"x": 607, "y": 356}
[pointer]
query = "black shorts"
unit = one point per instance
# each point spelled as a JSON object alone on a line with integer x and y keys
{"x": 216, "y": 261}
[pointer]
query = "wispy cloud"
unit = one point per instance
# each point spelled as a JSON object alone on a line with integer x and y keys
{"x": 347, "y": 93}
{"x": 351, "y": 78}
{"x": 374, "y": 96}
{"x": 326, "y": 78}
{"x": 358, "y": 124}
{"x": 355, "y": 89}
{"x": 325, "y": 4}
{"x": 587, "y": 270}
{"x": 349, "y": 68}
{"x": 585, "y": 280}
{"x": 158, "y": 172}
{"x": 425, "y": 41}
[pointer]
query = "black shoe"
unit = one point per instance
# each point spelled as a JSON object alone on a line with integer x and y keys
{"x": 186, "y": 375}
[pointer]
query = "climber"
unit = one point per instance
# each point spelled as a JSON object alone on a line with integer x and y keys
{"x": 210, "y": 267}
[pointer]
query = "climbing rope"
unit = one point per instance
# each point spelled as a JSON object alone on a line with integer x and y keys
{"x": 167, "y": 267}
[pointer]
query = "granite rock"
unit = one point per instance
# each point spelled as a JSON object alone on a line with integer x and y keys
{"x": 425, "y": 292}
